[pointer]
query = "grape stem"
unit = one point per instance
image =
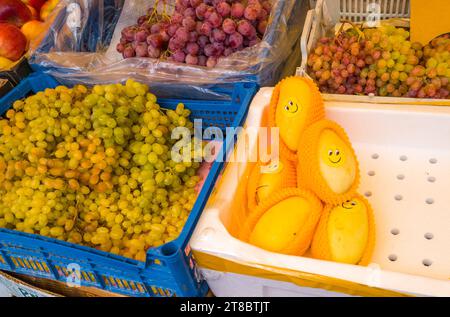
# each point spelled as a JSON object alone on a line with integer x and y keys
{"x": 354, "y": 26}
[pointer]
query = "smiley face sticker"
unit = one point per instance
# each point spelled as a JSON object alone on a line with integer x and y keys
{"x": 291, "y": 106}
{"x": 337, "y": 163}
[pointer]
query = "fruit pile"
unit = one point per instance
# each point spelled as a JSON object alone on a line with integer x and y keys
{"x": 199, "y": 32}
{"x": 93, "y": 167}
{"x": 381, "y": 61}
{"x": 21, "y": 22}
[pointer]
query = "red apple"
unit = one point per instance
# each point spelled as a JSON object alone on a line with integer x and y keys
{"x": 37, "y": 4}
{"x": 15, "y": 12}
{"x": 12, "y": 42}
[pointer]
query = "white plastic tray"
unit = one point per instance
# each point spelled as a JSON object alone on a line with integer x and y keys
{"x": 404, "y": 155}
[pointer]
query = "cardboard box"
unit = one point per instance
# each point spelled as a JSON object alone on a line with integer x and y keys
{"x": 20, "y": 285}
{"x": 18, "y": 71}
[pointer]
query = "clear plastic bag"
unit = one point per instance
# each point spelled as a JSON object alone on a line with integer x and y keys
{"x": 80, "y": 47}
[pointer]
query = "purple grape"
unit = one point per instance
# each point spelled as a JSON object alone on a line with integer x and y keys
{"x": 190, "y": 12}
{"x": 155, "y": 28}
{"x": 262, "y": 26}
{"x": 195, "y": 3}
{"x": 237, "y": 10}
{"x": 246, "y": 29}
{"x": 142, "y": 19}
{"x": 208, "y": 12}
{"x": 209, "y": 50}
{"x": 175, "y": 44}
{"x": 201, "y": 10}
{"x": 223, "y": 9}
{"x": 235, "y": 40}
{"x": 218, "y": 35}
{"x": 254, "y": 42}
{"x": 177, "y": 18}
{"x": 191, "y": 59}
{"x": 141, "y": 35}
{"x": 263, "y": 15}
{"x": 154, "y": 52}
{"x": 206, "y": 28}
{"x": 219, "y": 48}
{"x": 128, "y": 52}
{"x": 211, "y": 62}
{"x": 123, "y": 41}
{"x": 180, "y": 7}
{"x": 229, "y": 26}
{"x": 128, "y": 33}
{"x": 267, "y": 6}
{"x": 202, "y": 41}
{"x": 179, "y": 56}
{"x": 189, "y": 23}
{"x": 192, "y": 48}
{"x": 134, "y": 44}
{"x": 202, "y": 60}
{"x": 215, "y": 19}
{"x": 186, "y": 3}
{"x": 155, "y": 40}
{"x": 141, "y": 49}
{"x": 252, "y": 12}
{"x": 193, "y": 36}
{"x": 120, "y": 47}
{"x": 172, "y": 29}
{"x": 165, "y": 36}
{"x": 182, "y": 34}
{"x": 227, "y": 52}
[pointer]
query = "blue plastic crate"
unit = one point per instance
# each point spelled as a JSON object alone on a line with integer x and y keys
{"x": 169, "y": 270}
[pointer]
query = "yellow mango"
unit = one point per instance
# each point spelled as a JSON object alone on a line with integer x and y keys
{"x": 277, "y": 229}
{"x": 348, "y": 231}
{"x": 298, "y": 105}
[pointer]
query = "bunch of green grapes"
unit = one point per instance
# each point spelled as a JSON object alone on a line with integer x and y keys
{"x": 94, "y": 167}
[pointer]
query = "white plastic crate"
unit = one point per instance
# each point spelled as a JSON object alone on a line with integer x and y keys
{"x": 404, "y": 155}
{"x": 327, "y": 13}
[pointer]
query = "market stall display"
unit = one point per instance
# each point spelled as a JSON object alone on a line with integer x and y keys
{"x": 101, "y": 173}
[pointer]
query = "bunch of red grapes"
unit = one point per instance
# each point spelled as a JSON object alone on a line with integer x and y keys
{"x": 382, "y": 62}
{"x": 199, "y": 32}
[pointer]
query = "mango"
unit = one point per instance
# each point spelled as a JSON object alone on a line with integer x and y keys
{"x": 348, "y": 230}
{"x": 277, "y": 229}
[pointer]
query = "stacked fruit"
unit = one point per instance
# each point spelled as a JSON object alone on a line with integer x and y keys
{"x": 199, "y": 32}
{"x": 381, "y": 61}
{"x": 21, "y": 22}
{"x": 93, "y": 167}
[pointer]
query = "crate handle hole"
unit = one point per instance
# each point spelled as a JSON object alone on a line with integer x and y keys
{"x": 429, "y": 201}
{"x": 403, "y": 158}
{"x": 371, "y": 173}
{"x": 392, "y": 257}
{"x": 431, "y": 179}
{"x": 368, "y": 193}
{"x": 433, "y": 161}
{"x": 427, "y": 262}
{"x": 395, "y": 231}
{"x": 169, "y": 249}
{"x": 400, "y": 176}
{"x": 429, "y": 236}
{"x": 375, "y": 156}
{"x": 398, "y": 197}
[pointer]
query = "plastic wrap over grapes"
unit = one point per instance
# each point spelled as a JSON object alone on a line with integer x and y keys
{"x": 196, "y": 32}
{"x": 381, "y": 61}
{"x": 94, "y": 167}
{"x": 192, "y": 45}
